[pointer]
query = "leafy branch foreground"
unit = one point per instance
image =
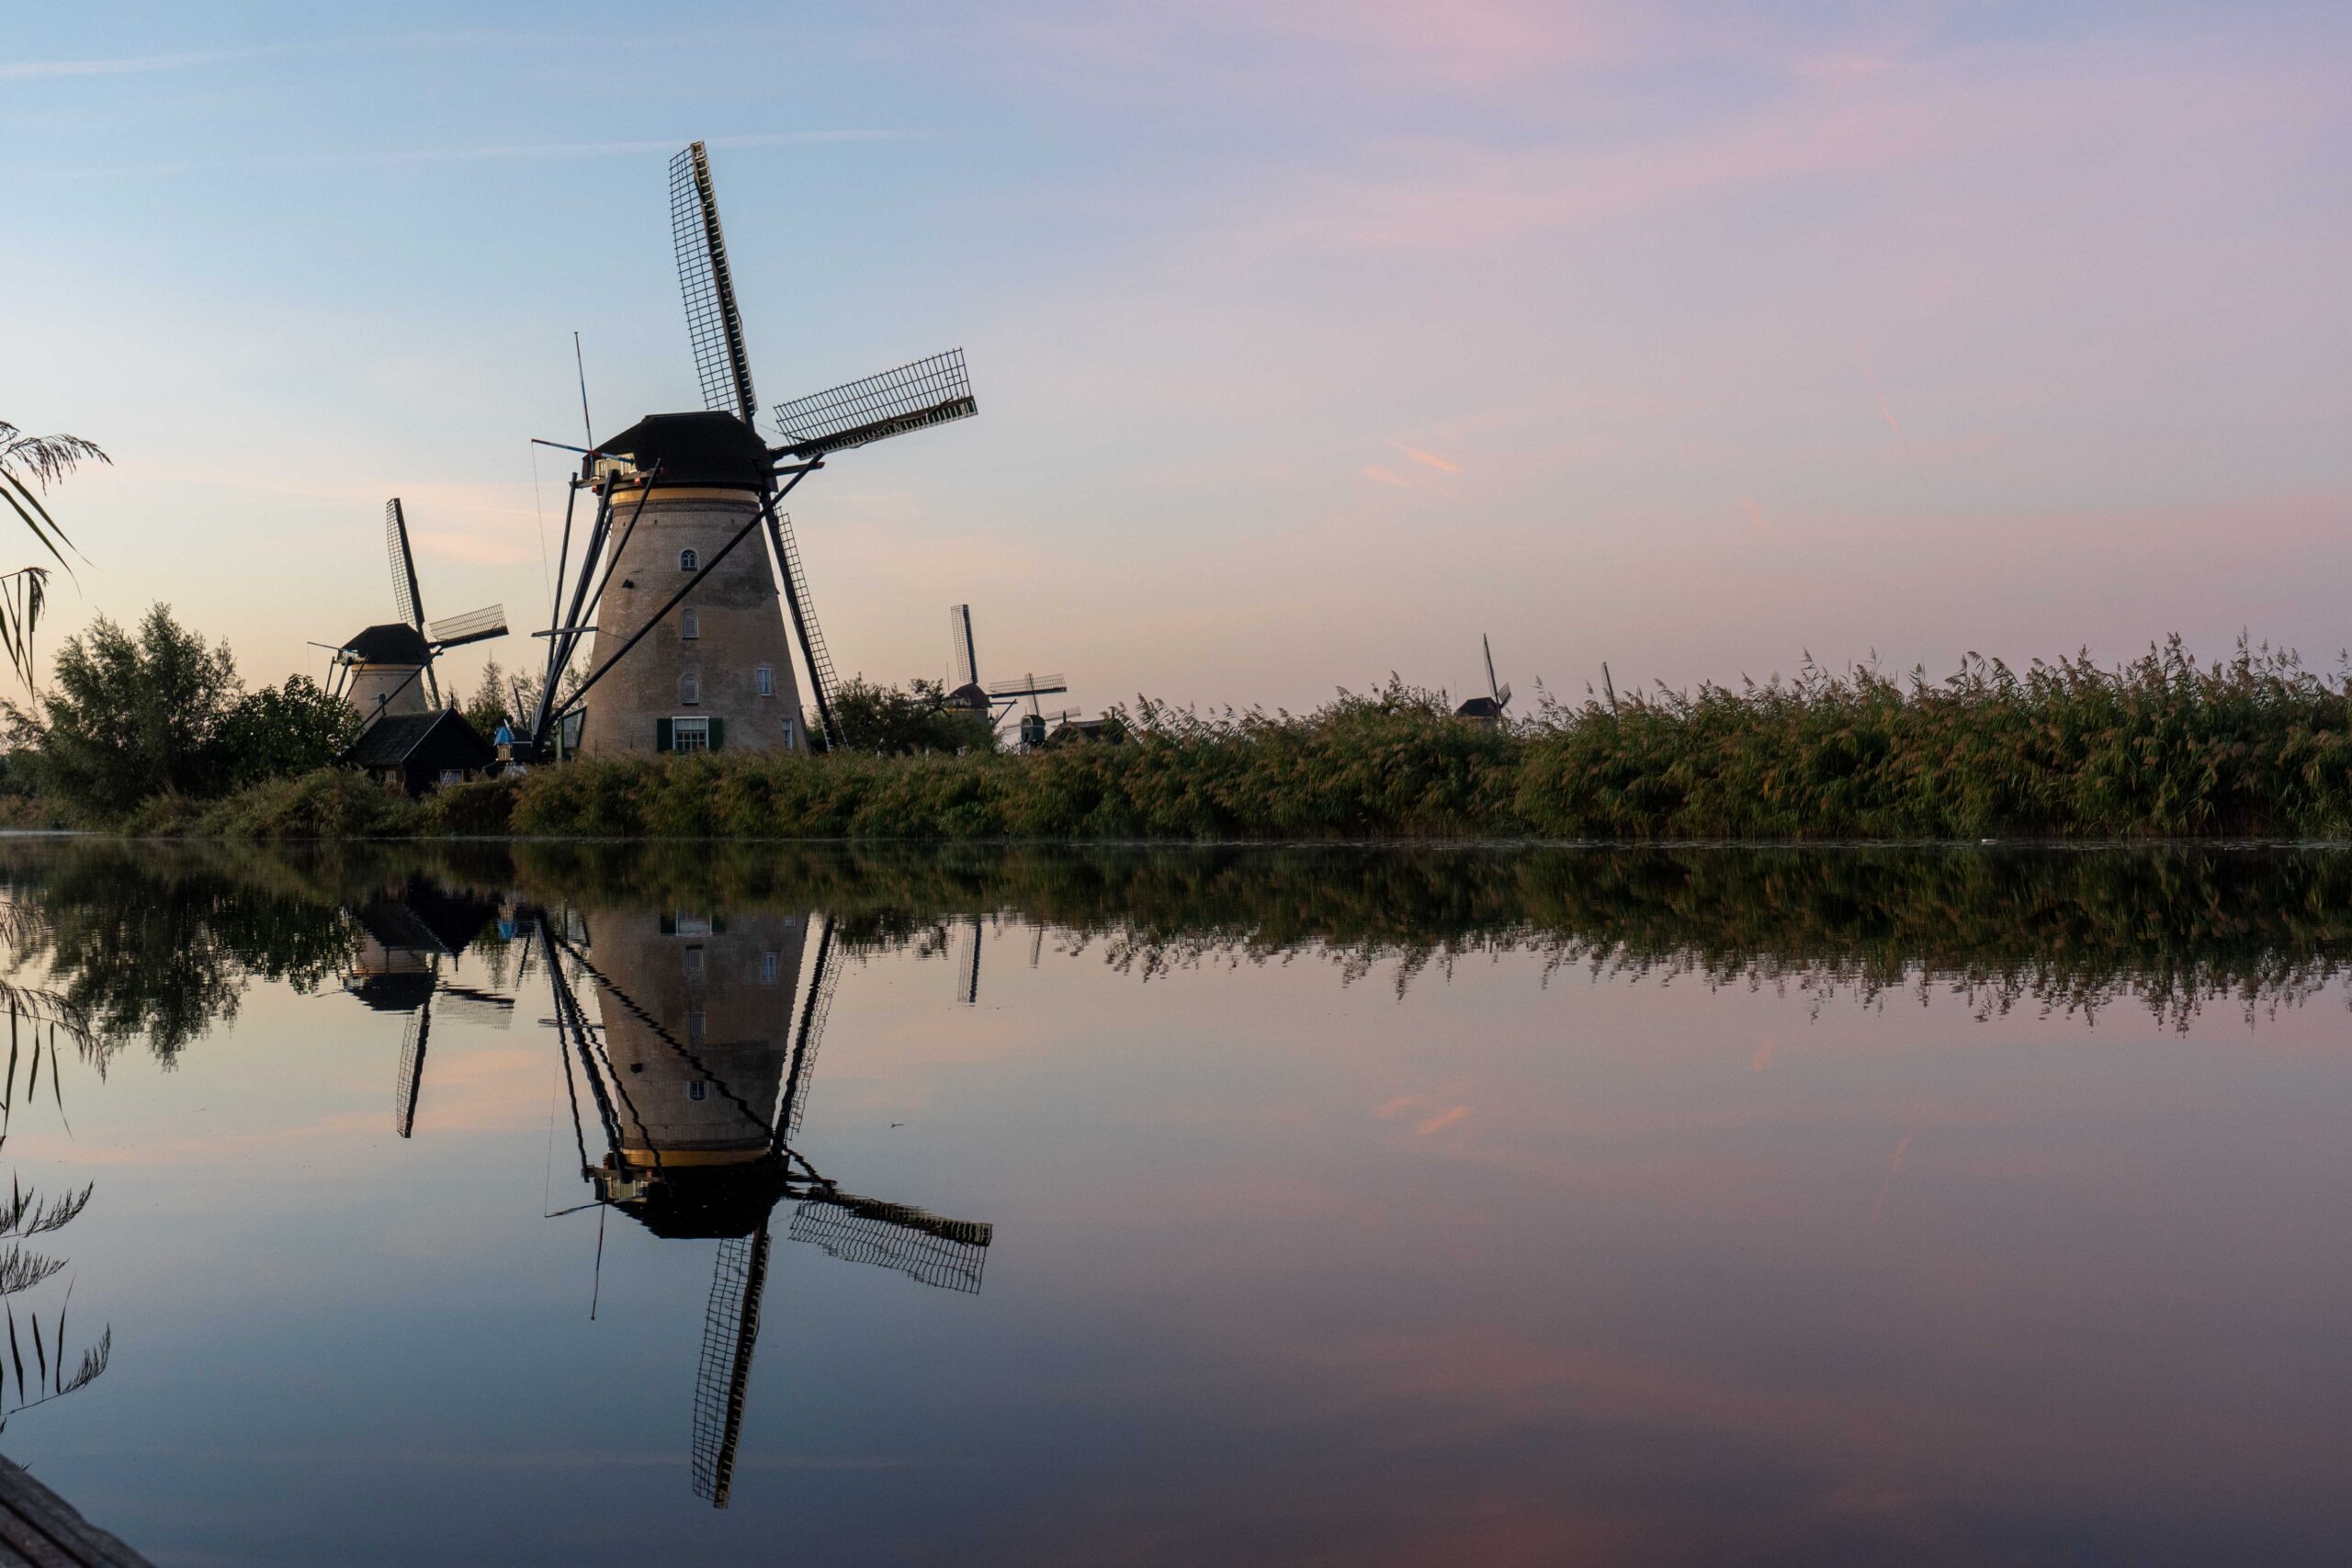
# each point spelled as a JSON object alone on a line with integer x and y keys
{"x": 2254, "y": 745}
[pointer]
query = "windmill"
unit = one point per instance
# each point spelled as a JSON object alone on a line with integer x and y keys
{"x": 387, "y": 668}
{"x": 697, "y": 1069}
{"x": 397, "y": 967}
{"x": 993, "y": 703}
{"x": 1487, "y": 712}
{"x": 658, "y": 574}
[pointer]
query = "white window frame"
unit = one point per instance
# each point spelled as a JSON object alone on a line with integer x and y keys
{"x": 690, "y": 726}
{"x": 689, "y": 560}
{"x": 764, "y": 680}
{"x": 690, "y": 624}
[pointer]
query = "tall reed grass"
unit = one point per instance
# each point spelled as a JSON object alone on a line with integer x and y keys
{"x": 2162, "y": 746}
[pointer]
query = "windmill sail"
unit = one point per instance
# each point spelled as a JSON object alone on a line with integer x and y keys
{"x": 411, "y": 1068}
{"x": 818, "y": 1009}
{"x": 713, "y": 323}
{"x": 474, "y": 625}
{"x": 948, "y": 1254}
{"x": 730, "y": 1329}
{"x": 406, "y": 599}
{"x": 912, "y": 397}
{"x": 968, "y": 658}
{"x": 1029, "y": 686}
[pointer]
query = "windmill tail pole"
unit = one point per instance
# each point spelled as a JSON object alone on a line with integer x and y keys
{"x": 766, "y": 513}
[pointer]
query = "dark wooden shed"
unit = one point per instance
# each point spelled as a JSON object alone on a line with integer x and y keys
{"x": 418, "y": 751}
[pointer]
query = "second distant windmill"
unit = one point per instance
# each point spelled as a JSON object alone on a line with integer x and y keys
{"x": 995, "y": 702}
{"x": 387, "y": 668}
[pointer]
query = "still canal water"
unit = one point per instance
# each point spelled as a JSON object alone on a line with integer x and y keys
{"x": 565, "y": 1204}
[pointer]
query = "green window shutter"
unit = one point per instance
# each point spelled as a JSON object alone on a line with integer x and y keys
{"x": 662, "y": 735}
{"x": 717, "y": 732}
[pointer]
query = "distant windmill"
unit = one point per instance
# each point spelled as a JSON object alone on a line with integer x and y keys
{"x": 993, "y": 703}
{"x": 387, "y": 668}
{"x": 698, "y": 1098}
{"x": 1487, "y": 711}
{"x": 658, "y": 579}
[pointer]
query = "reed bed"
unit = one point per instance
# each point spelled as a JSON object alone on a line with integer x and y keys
{"x": 2256, "y": 745}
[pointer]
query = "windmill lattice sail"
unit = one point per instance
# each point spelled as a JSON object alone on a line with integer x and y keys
{"x": 959, "y": 632}
{"x": 731, "y": 1328}
{"x": 474, "y": 625}
{"x": 919, "y": 1245}
{"x": 406, "y": 599}
{"x": 713, "y": 324}
{"x": 912, "y": 397}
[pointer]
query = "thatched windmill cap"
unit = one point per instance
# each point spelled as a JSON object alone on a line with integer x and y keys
{"x": 696, "y": 449}
{"x": 390, "y": 644}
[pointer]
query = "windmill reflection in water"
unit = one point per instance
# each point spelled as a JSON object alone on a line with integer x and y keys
{"x": 407, "y": 938}
{"x": 688, "y": 1042}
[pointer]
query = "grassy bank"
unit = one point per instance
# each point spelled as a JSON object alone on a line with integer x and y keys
{"x": 2162, "y": 747}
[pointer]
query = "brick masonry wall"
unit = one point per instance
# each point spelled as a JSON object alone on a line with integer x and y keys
{"x": 742, "y": 627}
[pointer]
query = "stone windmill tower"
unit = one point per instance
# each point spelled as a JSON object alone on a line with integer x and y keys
{"x": 690, "y": 650}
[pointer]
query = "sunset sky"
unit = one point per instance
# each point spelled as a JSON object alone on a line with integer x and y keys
{"x": 1311, "y": 341}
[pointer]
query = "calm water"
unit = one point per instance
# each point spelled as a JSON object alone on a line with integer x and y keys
{"x": 477, "y": 1206}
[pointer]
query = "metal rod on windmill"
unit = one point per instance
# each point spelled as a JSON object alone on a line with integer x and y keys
{"x": 692, "y": 650}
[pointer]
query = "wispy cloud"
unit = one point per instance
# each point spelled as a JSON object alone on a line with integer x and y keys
{"x": 495, "y": 151}
{"x": 1431, "y": 459}
{"x": 1442, "y": 1120}
{"x": 1385, "y": 476}
{"x": 140, "y": 64}
{"x": 30, "y": 70}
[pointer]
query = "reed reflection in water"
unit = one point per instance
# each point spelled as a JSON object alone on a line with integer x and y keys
{"x": 1438, "y": 1205}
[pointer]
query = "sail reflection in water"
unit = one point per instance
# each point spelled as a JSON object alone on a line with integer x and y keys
{"x": 694, "y": 1039}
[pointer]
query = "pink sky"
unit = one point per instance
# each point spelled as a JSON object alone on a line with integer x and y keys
{"x": 1312, "y": 342}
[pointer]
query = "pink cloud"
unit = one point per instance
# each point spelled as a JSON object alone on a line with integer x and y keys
{"x": 1439, "y": 1121}
{"x": 1382, "y": 476}
{"x": 1431, "y": 459}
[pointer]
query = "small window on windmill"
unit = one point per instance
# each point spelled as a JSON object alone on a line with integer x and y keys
{"x": 767, "y": 968}
{"x": 689, "y": 560}
{"x": 763, "y": 681}
{"x": 690, "y": 624}
{"x": 694, "y": 967}
{"x": 690, "y": 735}
{"x": 681, "y": 922}
{"x": 689, "y": 693}
{"x": 698, "y": 1089}
{"x": 697, "y": 1027}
